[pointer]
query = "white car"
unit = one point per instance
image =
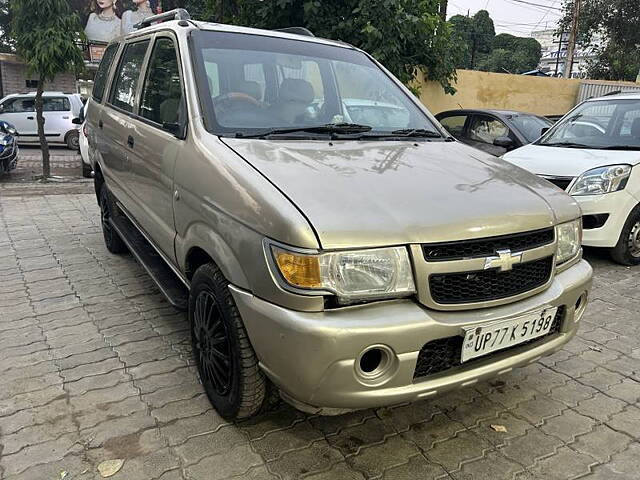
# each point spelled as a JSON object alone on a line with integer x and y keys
{"x": 87, "y": 169}
{"x": 593, "y": 153}
{"x": 59, "y": 110}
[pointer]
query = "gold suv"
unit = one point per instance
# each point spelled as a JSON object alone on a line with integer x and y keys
{"x": 332, "y": 243}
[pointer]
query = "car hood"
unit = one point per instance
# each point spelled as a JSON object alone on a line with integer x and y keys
{"x": 567, "y": 162}
{"x": 374, "y": 193}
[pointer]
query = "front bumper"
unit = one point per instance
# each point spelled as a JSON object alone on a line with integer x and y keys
{"x": 617, "y": 205}
{"x": 311, "y": 357}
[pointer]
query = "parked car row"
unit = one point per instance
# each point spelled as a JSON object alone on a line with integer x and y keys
{"x": 333, "y": 245}
{"x": 59, "y": 110}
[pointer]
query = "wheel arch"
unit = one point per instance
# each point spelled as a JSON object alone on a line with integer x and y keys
{"x": 202, "y": 245}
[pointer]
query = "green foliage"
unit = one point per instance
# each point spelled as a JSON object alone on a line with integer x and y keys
{"x": 484, "y": 50}
{"x": 610, "y": 28}
{"x": 6, "y": 42}
{"x": 404, "y": 35}
{"x": 475, "y": 34}
{"x": 512, "y": 54}
{"x": 46, "y": 33}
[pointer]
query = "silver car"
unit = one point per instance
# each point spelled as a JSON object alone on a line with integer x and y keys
{"x": 342, "y": 265}
{"x": 59, "y": 110}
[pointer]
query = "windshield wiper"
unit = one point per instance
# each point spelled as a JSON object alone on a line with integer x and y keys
{"x": 568, "y": 145}
{"x": 621, "y": 147}
{"x": 343, "y": 128}
{"x": 416, "y": 132}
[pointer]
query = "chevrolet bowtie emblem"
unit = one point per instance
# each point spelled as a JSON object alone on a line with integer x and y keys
{"x": 504, "y": 261}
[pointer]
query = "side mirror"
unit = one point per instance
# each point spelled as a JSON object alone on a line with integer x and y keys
{"x": 77, "y": 121}
{"x": 544, "y": 130}
{"x": 504, "y": 142}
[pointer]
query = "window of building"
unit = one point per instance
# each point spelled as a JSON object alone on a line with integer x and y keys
{"x": 31, "y": 83}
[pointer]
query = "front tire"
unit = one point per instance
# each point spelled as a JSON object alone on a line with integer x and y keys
{"x": 627, "y": 251}
{"x": 112, "y": 240}
{"x": 226, "y": 361}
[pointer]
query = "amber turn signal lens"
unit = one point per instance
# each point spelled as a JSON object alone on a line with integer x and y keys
{"x": 299, "y": 270}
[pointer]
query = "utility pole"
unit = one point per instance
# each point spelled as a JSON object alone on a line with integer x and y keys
{"x": 443, "y": 10}
{"x": 573, "y": 36}
{"x": 560, "y": 42}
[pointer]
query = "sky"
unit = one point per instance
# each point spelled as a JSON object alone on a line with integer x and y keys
{"x": 518, "y": 17}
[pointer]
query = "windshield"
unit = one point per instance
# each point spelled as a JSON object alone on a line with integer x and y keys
{"x": 598, "y": 124}
{"x": 251, "y": 83}
{"x": 530, "y": 126}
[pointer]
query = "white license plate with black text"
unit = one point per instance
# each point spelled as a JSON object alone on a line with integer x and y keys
{"x": 484, "y": 339}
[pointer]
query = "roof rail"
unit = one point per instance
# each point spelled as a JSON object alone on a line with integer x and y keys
{"x": 296, "y": 30}
{"x": 176, "y": 14}
{"x": 615, "y": 92}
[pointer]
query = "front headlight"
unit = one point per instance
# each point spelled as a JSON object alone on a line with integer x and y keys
{"x": 569, "y": 237}
{"x": 351, "y": 276}
{"x": 602, "y": 180}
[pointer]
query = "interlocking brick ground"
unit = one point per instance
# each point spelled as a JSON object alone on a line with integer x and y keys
{"x": 96, "y": 365}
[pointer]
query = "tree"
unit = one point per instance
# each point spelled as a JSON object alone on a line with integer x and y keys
{"x": 46, "y": 33}
{"x": 609, "y": 28}
{"x": 6, "y": 43}
{"x": 476, "y": 33}
{"x": 404, "y": 35}
{"x": 512, "y": 54}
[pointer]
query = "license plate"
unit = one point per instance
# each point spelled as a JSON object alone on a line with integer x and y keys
{"x": 484, "y": 339}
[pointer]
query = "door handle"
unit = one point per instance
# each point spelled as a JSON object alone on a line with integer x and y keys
{"x": 100, "y": 124}
{"x": 130, "y": 141}
{"x": 29, "y": 118}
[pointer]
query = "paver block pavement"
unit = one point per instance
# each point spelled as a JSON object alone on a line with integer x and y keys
{"x": 96, "y": 365}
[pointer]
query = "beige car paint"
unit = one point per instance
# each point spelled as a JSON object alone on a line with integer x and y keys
{"x": 227, "y": 196}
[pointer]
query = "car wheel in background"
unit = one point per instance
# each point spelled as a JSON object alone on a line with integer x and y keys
{"x": 627, "y": 251}
{"x": 73, "y": 140}
{"x": 111, "y": 238}
{"x": 226, "y": 361}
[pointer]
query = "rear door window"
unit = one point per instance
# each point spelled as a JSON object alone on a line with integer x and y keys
{"x": 127, "y": 76}
{"x": 19, "y": 105}
{"x": 100, "y": 79}
{"x": 486, "y": 129}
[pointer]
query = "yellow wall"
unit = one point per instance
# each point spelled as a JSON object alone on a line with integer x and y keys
{"x": 544, "y": 96}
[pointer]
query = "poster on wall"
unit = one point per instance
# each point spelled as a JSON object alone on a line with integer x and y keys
{"x": 105, "y": 20}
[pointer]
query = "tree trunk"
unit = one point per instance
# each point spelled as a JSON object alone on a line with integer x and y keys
{"x": 44, "y": 146}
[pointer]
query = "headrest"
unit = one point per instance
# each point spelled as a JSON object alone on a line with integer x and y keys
{"x": 296, "y": 90}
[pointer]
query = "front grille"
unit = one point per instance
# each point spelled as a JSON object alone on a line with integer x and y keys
{"x": 486, "y": 285}
{"x": 485, "y": 247}
{"x": 445, "y": 353}
{"x": 560, "y": 182}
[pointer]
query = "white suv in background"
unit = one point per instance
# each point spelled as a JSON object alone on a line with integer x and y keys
{"x": 593, "y": 153}
{"x": 59, "y": 111}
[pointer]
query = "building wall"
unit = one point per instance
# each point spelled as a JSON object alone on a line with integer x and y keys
{"x": 14, "y": 75}
{"x": 544, "y": 96}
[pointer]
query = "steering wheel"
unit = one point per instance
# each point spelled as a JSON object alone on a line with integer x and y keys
{"x": 228, "y": 101}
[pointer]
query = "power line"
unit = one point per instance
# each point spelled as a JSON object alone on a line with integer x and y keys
{"x": 536, "y": 4}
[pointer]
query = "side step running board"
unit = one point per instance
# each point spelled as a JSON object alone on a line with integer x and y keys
{"x": 168, "y": 282}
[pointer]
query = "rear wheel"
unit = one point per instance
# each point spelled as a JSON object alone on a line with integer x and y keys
{"x": 226, "y": 361}
{"x": 627, "y": 251}
{"x": 73, "y": 140}
{"x": 111, "y": 238}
